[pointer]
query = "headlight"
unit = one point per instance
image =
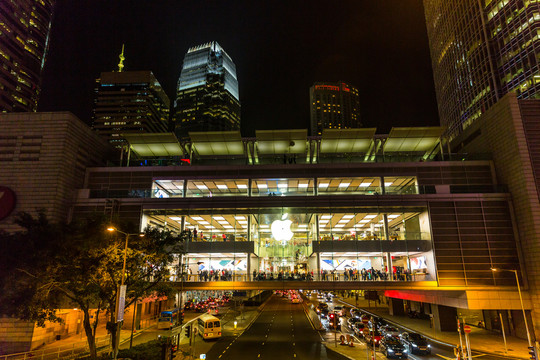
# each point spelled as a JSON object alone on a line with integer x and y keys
{"x": 429, "y": 346}
{"x": 390, "y": 350}
{"x": 404, "y": 351}
{"x": 414, "y": 345}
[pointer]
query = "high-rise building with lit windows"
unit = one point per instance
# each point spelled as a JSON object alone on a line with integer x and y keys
{"x": 207, "y": 96}
{"x": 334, "y": 105}
{"x": 481, "y": 50}
{"x": 129, "y": 102}
{"x": 24, "y": 39}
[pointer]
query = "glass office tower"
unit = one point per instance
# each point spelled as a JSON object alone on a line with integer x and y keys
{"x": 207, "y": 94}
{"x": 481, "y": 50}
{"x": 24, "y": 39}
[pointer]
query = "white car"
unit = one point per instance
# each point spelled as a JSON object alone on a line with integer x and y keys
{"x": 338, "y": 310}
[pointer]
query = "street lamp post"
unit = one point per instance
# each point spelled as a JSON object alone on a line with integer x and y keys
{"x": 520, "y": 300}
{"x": 117, "y": 310}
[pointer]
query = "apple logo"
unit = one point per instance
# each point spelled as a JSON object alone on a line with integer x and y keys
{"x": 281, "y": 229}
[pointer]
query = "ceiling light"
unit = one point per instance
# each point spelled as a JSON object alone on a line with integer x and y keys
{"x": 197, "y": 218}
{"x": 239, "y": 217}
{"x": 326, "y": 217}
{"x": 344, "y": 185}
{"x": 262, "y": 186}
{"x": 393, "y": 216}
{"x": 344, "y": 221}
{"x": 388, "y": 183}
{"x": 202, "y": 187}
{"x": 176, "y": 218}
{"x": 228, "y": 227}
{"x": 340, "y": 225}
{"x": 303, "y": 185}
{"x": 241, "y": 186}
{"x": 370, "y": 216}
{"x": 219, "y": 218}
{"x": 324, "y": 184}
{"x": 222, "y": 187}
{"x": 365, "y": 184}
{"x": 204, "y": 222}
{"x": 282, "y": 186}
{"x": 348, "y": 216}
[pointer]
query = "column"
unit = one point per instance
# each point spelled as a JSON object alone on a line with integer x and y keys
{"x": 395, "y": 306}
{"x": 444, "y": 317}
{"x": 389, "y": 266}
{"x": 318, "y": 275}
{"x": 248, "y": 269}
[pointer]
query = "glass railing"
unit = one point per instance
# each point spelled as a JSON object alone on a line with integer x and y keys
{"x": 355, "y": 276}
{"x": 409, "y": 190}
{"x": 377, "y": 236}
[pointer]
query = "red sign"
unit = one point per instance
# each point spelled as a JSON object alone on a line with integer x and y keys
{"x": 467, "y": 328}
{"x": 7, "y": 202}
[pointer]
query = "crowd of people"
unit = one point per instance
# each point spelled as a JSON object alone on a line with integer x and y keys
{"x": 349, "y": 274}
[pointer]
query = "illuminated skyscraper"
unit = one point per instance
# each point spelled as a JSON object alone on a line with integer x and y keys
{"x": 334, "y": 106}
{"x": 129, "y": 102}
{"x": 481, "y": 50}
{"x": 24, "y": 39}
{"x": 207, "y": 94}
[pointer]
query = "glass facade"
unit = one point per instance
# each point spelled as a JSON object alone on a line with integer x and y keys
{"x": 481, "y": 50}
{"x": 293, "y": 241}
{"x": 207, "y": 96}
{"x": 24, "y": 40}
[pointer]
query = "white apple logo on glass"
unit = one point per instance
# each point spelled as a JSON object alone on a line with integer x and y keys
{"x": 281, "y": 229}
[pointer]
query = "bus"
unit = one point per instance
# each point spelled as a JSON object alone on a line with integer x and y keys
{"x": 169, "y": 318}
{"x": 209, "y": 326}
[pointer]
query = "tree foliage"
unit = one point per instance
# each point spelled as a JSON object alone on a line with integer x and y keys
{"x": 49, "y": 266}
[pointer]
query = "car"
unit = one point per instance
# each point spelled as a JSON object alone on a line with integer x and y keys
{"x": 416, "y": 343}
{"x": 296, "y": 300}
{"x": 213, "y": 310}
{"x": 358, "y": 329}
{"x": 322, "y": 309}
{"x": 372, "y": 336}
{"x": 338, "y": 309}
{"x": 388, "y": 330}
{"x": 393, "y": 348}
{"x": 352, "y": 321}
{"x": 356, "y": 313}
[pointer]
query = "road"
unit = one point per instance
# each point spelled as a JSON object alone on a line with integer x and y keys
{"x": 438, "y": 351}
{"x": 281, "y": 331}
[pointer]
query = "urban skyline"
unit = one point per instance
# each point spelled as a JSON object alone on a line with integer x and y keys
{"x": 277, "y": 54}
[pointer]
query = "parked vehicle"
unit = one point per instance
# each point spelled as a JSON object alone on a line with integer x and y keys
{"x": 415, "y": 343}
{"x": 393, "y": 348}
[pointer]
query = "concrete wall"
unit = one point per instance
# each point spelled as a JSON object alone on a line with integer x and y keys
{"x": 43, "y": 160}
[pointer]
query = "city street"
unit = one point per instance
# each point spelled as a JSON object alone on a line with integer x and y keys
{"x": 282, "y": 331}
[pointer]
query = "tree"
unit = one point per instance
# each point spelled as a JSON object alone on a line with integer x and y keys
{"x": 82, "y": 263}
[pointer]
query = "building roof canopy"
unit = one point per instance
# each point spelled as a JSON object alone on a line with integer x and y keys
{"x": 154, "y": 144}
{"x": 347, "y": 140}
{"x": 413, "y": 139}
{"x": 281, "y": 141}
{"x": 217, "y": 143}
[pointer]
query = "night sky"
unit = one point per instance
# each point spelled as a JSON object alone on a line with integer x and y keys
{"x": 280, "y": 49}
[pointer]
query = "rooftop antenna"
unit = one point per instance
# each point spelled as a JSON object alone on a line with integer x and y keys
{"x": 122, "y": 58}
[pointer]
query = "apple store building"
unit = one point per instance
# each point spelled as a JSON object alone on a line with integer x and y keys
{"x": 347, "y": 205}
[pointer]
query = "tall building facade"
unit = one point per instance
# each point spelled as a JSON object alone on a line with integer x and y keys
{"x": 481, "y": 50}
{"x": 207, "y": 97}
{"x": 129, "y": 102}
{"x": 334, "y": 105}
{"x": 24, "y": 39}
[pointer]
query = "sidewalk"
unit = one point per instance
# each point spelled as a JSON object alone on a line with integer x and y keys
{"x": 481, "y": 340}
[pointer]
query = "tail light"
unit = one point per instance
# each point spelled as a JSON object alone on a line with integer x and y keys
{"x": 219, "y": 333}
{"x": 205, "y": 334}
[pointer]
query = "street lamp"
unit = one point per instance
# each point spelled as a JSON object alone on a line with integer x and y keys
{"x": 117, "y": 342}
{"x": 520, "y": 300}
